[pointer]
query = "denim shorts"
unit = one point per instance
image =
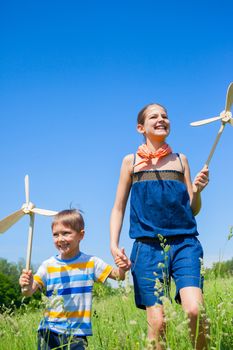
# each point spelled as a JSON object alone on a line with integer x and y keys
{"x": 48, "y": 340}
{"x": 153, "y": 266}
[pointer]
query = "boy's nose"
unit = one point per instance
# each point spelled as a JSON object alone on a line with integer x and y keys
{"x": 60, "y": 238}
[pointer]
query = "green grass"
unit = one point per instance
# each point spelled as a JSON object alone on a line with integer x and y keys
{"x": 118, "y": 325}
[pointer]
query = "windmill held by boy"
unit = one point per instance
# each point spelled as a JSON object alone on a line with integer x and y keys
{"x": 30, "y": 209}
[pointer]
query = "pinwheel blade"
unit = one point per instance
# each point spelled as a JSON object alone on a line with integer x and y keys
{"x": 10, "y": 220}
{"x": 205, "y": 121}
{"x": 26, "y": 182}
{"x": 229, "y": 98}
{"x": 44, "y": 212}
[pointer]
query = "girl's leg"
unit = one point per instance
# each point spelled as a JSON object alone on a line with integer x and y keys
{"x": 192, "y": 303}
{"x": 155, "y": 321}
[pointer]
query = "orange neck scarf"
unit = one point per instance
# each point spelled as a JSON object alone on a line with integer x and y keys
{"x": 146, "y": 155}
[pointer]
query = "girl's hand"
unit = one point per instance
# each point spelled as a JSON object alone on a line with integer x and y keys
{"x": 201, "y": 180}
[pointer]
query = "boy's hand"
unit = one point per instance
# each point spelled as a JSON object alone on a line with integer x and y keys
{"x": 121, "y": 260}
{"x": 26, "y": 279}
{"x": 117, "y": 274}
{"x": 201, "y": 180}
{"x": 121, "y": 273}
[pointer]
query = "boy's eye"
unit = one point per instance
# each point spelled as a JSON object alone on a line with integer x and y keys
{"x": 66, "y": 233}
{"x": 63, "y": 234}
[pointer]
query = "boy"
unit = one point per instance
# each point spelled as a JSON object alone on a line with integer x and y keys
{"x": 68, "y": 280}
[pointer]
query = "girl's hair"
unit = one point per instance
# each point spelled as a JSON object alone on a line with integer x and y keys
{"x": 71, "y": 218}
{"x": 141, "y": 114}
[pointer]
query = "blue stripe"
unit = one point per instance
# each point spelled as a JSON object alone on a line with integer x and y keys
{"x": 65, "y": 325}
{"x": 65, "y": 291}
{"x": 67, "y": 279}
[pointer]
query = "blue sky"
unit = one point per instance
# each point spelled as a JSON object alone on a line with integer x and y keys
{"x": 74, "y": 75}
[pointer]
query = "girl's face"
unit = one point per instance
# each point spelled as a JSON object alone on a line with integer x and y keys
{"x": 156, "y": 123}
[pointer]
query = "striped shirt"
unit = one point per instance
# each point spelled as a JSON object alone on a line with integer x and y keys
{"x": 68, "y": 285}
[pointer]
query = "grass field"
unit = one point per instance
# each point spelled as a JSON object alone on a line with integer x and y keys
{"x": 118, "y": 325}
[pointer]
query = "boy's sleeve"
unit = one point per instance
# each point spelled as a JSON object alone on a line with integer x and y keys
{"x": 40, "y": 276}
{"x": 101, "y": 270}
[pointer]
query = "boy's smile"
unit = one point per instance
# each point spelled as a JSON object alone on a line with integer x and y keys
{"x": 67, "y": 240}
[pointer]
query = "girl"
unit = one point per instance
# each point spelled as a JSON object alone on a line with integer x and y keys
{"x": 162, "y": 208}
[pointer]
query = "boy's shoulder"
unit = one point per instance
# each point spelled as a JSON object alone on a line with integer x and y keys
{"x": 49, "y": 261}
{"x": 88, "y": 257}
{"x": 51, "y": 258}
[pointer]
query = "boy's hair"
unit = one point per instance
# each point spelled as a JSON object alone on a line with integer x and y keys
{"x": 71, "y": 218}
{"x": 141, "y": 114}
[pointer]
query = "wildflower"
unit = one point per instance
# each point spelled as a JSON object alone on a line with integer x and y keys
{"x": 132, "y": 322}
{"x": 202, "y": 269}
{"x": 53, "y": 302}
{"x": 158, "y": 287}
{"x": 161, "y": 265}
{"x": 167, "y": 248}
{"x": 160, "y": 237}
{"x": 128, "y": 286}
{"x": 230, "y": 234}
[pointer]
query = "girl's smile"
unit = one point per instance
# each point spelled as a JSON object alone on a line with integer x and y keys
{"x": 156, "y": 123}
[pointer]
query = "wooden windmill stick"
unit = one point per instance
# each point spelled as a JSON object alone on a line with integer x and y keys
{"x": 30, "y": 237}
{"x": 215, "y": 144}
{"x": 29, "y": 247}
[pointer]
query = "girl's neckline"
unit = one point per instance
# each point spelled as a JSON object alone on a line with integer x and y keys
{"x": 158, "y": 170}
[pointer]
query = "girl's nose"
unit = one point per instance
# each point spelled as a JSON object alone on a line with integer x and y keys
{"x": 160, "y": 117}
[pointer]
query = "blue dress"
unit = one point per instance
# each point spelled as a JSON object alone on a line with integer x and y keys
{"x": 160, "y": 204}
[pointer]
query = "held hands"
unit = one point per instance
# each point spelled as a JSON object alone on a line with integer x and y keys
{"x": 201, "y": 180}
{"x": 26, "y": 279}
{"x": 121, "y": 259}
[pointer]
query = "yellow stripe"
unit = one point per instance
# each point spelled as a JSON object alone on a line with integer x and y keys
{"x": 83, "y": 265}
{"x": 38, "y": 280}
{"x": 68, "y": 314}
{"x": 105, "y": 273}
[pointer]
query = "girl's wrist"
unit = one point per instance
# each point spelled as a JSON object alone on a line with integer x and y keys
{"x": 196, "y": 189}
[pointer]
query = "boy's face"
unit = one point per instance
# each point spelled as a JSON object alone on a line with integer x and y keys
{"x": 66, "y": 240}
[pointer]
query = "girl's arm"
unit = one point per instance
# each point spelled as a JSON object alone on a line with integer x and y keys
{"x": 26, "y": 281}
{"x": 118, "y": 210}
{"x": 195, "y": 188}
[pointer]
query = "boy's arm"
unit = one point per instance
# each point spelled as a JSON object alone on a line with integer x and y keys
{"x": 28, "y": 286}
{"x": 117, "y": 274}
